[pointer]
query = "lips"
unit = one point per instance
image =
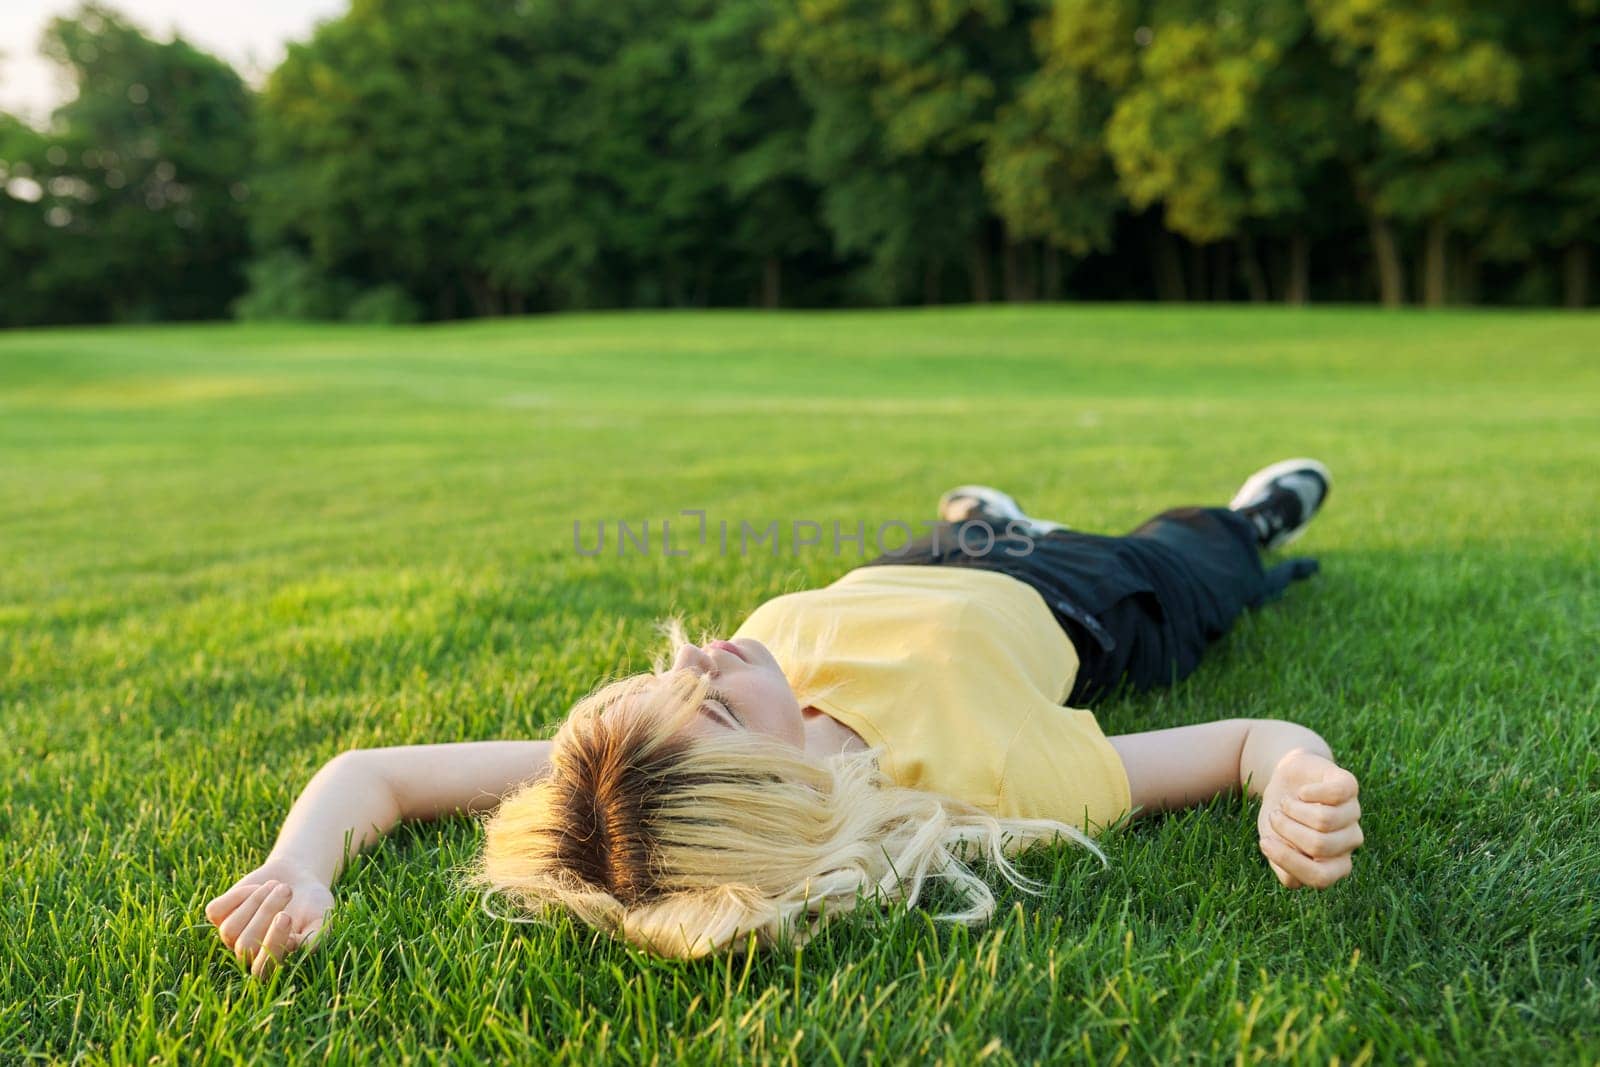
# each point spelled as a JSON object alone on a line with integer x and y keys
{"x": 729, "y": 646}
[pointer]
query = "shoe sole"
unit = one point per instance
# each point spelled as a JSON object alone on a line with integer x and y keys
{"x": 989, "y": 499}
{"x": 1258, "y": 483}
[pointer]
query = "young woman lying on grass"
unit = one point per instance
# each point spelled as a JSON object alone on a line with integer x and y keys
{"x": 856, "y": 740}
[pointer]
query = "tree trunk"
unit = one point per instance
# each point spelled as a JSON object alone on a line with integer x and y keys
{"x": 930, "y": 283}
{"x": 702, "y": 284}
{"x": 1051, "y": 286}
{"x": 1255, "y": 279}
{"x": 980, "y": 266}
{"x": 1275, "y": 264}
{"x": 1297, "y": 284}
{"x": 481, "y": 294}
{"x": 772, "y": 282}
{"x": 1575, "y": 275}
{"x": 1386, "y": 253}
{"x": 1029, "y": 283}
{"x": 1168, "y": 266}
{"x": 1436, "y": 266}
{"x": 1199, "y": 277}
{"x": 1221, "y": 274}
{"x": 1465, "y": 283}
{"x": 1011, "y": 271}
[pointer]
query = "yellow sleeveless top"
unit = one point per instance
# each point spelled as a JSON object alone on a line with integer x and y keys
{"x": 957, "y": 674}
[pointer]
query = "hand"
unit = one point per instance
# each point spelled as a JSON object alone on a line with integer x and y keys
{"x": 1310, "y": 820}
{"x": 274, "y": 910}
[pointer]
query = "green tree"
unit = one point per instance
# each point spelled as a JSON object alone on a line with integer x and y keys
{"x": 904, "y": 93}
{"x": 497, "y": 158}
{"x": 1045, "y": 165}
{"x": 394, "y": 146}
{"x": 1552, "y": 201}
{"x": 1565, "y": 117}
{"x": 138, "y": 180}
{"x": 31, "y": 287}
{"x": 747, "y": 124}
{"x": 1434, "y": 84}
{"x": 667, "y": 225}
{"x": 1231, "y": 116}
{"x": 1225, "y": 119}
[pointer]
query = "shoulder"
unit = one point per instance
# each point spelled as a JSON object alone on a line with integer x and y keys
{"x": 1060, "y": 765}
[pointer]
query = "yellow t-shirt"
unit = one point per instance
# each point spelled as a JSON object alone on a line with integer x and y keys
{"x": 957, "y": 674}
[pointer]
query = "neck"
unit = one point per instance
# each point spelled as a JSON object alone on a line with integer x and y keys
{"x": 827, "y": 736}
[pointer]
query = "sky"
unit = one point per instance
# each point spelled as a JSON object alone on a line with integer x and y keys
{"x": 250, "y": 34}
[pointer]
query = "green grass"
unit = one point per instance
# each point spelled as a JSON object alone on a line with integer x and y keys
{"x": 229, "y": 553}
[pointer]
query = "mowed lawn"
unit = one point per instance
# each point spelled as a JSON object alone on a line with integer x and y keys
{"x": 228, "y": 553}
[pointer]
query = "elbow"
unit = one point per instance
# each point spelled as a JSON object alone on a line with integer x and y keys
{"x": 349, "y": 757}
{"x": 350, "y": 761}
{"x": 1287, "y": 735}
{"x": 1284, "y": 725}
{"x": 1246, "y": 725}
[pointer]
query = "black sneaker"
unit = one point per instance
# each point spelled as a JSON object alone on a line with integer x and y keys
{"x": 1281, "y": 499}
{"x": 993, "y": 507}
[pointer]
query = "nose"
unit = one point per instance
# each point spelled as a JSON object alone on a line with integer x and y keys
{"x": 693, "y": 658}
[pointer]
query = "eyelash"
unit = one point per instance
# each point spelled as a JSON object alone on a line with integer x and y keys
{"x": 732, "y": 709}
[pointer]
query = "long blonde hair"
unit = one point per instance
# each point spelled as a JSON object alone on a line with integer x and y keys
{"x": 689, "y": 844}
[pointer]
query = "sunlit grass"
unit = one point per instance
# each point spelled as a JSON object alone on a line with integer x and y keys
{"x": 229, "y": 553}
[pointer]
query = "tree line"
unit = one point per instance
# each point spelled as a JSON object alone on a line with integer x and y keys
{"x": 426, "y": 159}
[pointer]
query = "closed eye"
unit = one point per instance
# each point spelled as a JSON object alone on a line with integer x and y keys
{"x": 720, "y": 703}
{"x": 716, "y": 715}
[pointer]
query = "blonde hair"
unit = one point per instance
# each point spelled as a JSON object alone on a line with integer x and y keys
{"x": 686, "y": 844}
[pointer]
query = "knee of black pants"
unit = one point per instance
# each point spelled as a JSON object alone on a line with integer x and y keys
{"x": 1215, "y": 533}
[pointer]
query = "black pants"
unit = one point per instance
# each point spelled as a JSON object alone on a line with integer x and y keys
{"x": 1139, "y": 609}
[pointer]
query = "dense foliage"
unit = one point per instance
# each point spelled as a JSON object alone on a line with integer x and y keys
{"x": 131, "y": 206}
{"x": 453, "y": 159}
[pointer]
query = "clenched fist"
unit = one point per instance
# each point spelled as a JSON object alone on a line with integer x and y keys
{"x": 1310, "y": 820}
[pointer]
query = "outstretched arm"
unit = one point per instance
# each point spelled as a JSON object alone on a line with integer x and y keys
{"x": 356, "y": 798}
{"x": 1309, "y": 822}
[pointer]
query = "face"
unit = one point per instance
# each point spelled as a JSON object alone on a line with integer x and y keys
{"x": 748, "y": 690}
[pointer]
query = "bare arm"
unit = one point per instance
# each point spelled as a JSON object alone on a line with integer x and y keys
{"x": 1310, "y": 812}
{"x": 353, "y": 801}
{"x": 363, "y": 793}
{"x": 1189, "y": 765}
